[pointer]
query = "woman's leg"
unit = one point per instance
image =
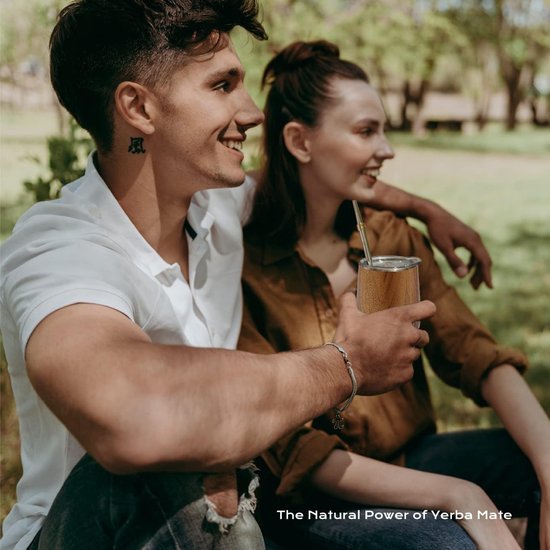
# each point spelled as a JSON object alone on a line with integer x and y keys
{"x": 492, "y": 460}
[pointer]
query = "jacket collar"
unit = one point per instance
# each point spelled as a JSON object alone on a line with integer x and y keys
{"x": 275, "y": 252}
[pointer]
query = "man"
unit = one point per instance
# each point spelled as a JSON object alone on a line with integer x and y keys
{"x": 120, "y": 299}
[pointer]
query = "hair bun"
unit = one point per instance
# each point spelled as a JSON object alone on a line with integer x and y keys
{"x": 298, "y": 53}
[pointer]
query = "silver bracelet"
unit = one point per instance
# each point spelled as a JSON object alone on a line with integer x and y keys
{"x": 338, "y": 421}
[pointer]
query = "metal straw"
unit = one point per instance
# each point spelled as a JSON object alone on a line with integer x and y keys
{"x": 362, "y": 233}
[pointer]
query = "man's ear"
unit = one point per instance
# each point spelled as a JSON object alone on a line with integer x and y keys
{"x": 295, "y": 135}
{"x": 133, "y": 103}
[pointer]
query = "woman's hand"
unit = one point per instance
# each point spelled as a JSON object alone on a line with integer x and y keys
{"x": 488, "y": 534}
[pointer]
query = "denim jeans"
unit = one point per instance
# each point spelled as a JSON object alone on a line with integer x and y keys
{"x": 489, "y": 458}
{"x": 97, "y": 510}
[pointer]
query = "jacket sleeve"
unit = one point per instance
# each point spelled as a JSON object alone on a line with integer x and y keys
{"x": 461, "y": 351}
{"x": 293, "y": 457}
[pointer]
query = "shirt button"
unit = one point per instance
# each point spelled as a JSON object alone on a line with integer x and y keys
{"x": 329, "y": 313}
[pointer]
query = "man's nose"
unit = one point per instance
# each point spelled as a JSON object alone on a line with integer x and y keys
{"x": 249, "y": 114}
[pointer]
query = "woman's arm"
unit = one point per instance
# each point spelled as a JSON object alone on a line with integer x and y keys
{"x": 521, "y": 414}
{"x": 370, "y": 482}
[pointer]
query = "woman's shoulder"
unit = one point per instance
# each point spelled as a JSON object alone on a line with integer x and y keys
{"x": 394, "y": 232}
{"x": 382, "y": 221}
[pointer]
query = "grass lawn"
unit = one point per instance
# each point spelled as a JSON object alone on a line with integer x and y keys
{"x": 498, "y": 183}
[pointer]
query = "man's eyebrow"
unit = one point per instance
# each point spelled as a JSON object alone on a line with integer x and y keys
{"x": 233, "y": 72}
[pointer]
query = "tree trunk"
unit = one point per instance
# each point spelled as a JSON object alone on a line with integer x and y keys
{"x": 511, "y": 111}
{"x": 418, "y": 120}
{"x": 512, "y": 76}
{"x": 407, "y": 99}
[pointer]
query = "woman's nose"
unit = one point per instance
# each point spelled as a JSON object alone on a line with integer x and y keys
{"x": 385, "y": 150}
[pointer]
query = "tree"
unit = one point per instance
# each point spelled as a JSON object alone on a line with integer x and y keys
{"x": 25, "y": 29}
{"x": 517, "y": 31}
{"x": 401, "y": 42}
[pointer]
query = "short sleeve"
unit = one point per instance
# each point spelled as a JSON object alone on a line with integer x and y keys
{"x": 40, "y": 279}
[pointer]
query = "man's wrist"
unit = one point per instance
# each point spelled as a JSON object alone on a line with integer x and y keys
{"x": 338, "y": 421}
{"x": 338, "y": 372}
{"x": 424, "y": 209}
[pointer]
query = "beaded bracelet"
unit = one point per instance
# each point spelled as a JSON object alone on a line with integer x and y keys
{"x": 338, "y": 421}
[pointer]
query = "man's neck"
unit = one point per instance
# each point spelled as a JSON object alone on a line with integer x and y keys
{"x": 157, "y": 215}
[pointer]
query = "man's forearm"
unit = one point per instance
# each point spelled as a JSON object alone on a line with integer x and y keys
{"x": 207, "y": 413}
{"x": 402, "y": 203}
{"x": 135, "y": 405}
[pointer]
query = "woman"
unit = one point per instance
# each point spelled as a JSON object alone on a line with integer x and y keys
{"x": 324, "y": 145}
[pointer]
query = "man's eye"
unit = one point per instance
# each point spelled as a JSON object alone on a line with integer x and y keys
{"x": 368, "y": 131}
{"x": 223, "y": 86}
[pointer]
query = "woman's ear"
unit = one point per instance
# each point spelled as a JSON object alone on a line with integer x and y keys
{"x": 296, "y": 141}
{"x": 133, "y": 105}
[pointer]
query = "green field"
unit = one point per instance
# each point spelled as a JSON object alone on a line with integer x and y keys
{"x": 496, "y": 182}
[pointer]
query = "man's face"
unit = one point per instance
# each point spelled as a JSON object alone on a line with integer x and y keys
{"x": 205, "y": 112}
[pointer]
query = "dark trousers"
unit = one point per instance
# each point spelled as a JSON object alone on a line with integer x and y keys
{"x": 96, "y": 510}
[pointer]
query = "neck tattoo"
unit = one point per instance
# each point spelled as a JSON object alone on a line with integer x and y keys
{"x": 136, "y": 146}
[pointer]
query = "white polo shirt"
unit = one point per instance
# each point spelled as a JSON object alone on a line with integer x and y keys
{"x": 82, "y": 248}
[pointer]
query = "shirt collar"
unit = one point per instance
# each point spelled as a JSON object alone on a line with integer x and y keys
{"x": 111, "y": 216}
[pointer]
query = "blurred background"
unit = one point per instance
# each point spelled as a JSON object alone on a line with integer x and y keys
{"x": 466, "y": 84}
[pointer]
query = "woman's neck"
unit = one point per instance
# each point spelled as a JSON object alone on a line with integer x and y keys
{"x": 320, "y": 217}
{"x": 322, "y": 245}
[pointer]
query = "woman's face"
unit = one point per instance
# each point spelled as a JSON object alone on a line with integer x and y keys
{"x": 348, "y": 146}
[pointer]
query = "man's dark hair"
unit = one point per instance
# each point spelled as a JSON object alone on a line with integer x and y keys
{"x": 96, "y": 44}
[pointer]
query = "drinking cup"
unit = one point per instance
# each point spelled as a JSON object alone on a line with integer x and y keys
{"x": 389, "y": 282}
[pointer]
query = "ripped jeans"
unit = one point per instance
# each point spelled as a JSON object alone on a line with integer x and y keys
{"x": 97, "y": 510}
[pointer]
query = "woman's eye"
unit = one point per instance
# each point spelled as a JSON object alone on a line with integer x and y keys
{"x": 368, "y": 131}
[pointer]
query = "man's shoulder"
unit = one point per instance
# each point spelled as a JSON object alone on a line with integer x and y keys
{"x": 61, "y": 236}
{"x": 54, "y": 223}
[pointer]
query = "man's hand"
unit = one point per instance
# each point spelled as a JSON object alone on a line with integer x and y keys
{"x": 382, "y": 346}
{"x": 448, "y": 233}
{"x": 445, "y": 230}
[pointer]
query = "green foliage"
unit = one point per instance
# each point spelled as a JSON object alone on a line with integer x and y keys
{"x": 65, "y": 164}
{"x": 24, "y": 31}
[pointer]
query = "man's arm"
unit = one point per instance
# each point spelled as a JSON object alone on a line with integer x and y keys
{"x": 135, "y": 405}
{"x": 445, "y": 230}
